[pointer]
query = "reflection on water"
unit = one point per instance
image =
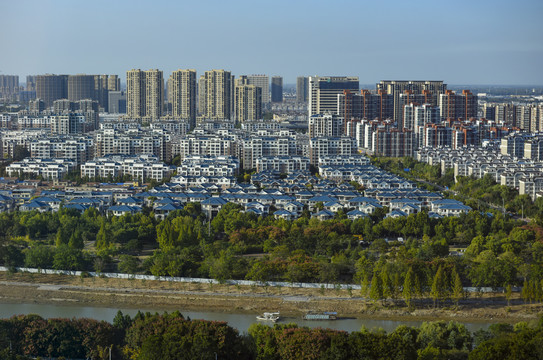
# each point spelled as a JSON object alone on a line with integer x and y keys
{"x": 236, "y": 320}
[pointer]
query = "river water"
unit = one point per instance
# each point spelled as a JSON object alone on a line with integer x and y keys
{"x": 237, "y": 320}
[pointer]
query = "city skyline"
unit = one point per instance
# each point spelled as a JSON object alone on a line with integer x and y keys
{"x": 494, "y": 43}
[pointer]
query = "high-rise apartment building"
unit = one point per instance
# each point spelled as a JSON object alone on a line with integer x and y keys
{"x": 81, "y": 87}
{"x": 154, "y": 94}
{"x": 454, "y": 105}
{"x": 365, "y": 105}
{"x": 215, "y": 95}
{"x": 302, "y": 89}
{"x": 248, "y": 103}
{"x": 398, "y": 87}
{"x": 114, "y": 83}
{"x": 145, "y": 94}
{"x": 117, "y": 102}
{"x": 182, "y": 95}
{"x": 325, "y": 125}
{"x": 31, "y": 83}
{"x": 135, "y": 94}
{"x": 263, "y": 82}
{"x": 323, "y": 92}
{"x": 277, "y": 89}
{"x": 9, "y": 86}
{"x": 51, "y": 87}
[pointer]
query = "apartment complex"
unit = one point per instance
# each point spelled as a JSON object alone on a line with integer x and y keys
{"x": 398, "y": 87}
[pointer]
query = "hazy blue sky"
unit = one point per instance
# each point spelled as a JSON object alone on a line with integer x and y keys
{"x": 460, "y": 41}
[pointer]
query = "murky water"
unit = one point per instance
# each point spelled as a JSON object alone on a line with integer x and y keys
{"x": 237, "y": 320}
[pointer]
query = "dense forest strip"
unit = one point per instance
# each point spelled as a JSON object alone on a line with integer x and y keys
{"x": 172, "y": 336}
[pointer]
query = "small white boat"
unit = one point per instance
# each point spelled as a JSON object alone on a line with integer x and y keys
{"x": 269, "y": 316}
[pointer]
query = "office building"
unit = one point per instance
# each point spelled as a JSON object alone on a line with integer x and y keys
{"x": 182, "y": 95}
{"x": 263, "y": 82}
{"x": 277, "y": 89}
{"x": 51, "y": 87}
{"x": 116, "y": 102}
{"x": 144, "y": 94}
{"x": 398, "y": 87}
{"x": 248, "y": 103}
{"x": 302, "y": 89}
{"x": 323, "y": 92}
{"x": 215, "y": 98}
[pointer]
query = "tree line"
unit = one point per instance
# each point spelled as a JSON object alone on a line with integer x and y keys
{"x": 172, "y": 336}
{"x": 491, "y": 249}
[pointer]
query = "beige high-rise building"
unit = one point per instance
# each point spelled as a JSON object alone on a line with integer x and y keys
{"x": 135, "y": 94}
{"x": 154, "y": 94}
{"x": 114, "y": 83}
{"x": 182, "y": 95}
{"x": 144, "y": 94}
{"x": 216, "y": 88}
{"x": 201, "y": 95}
{"x": 248, "y": 103}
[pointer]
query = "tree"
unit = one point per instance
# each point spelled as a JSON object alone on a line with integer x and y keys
{"x": 365, "y": 285}
{"x": 409, "y": 288}
{"x": 128, "y": 264}
{"x": 458, "y": 289}
{"x": 40, "y": 257}
{"x": 437, "y": 290}
{"x": 376, "y": 289}
{"x": 103, "y": 237}
{"x": 67, "y": 258}
{"x": 508, "y": 294}
{"x": 20, "y": 152}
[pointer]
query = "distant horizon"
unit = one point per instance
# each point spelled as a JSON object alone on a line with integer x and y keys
{"x": 123, "y": 79}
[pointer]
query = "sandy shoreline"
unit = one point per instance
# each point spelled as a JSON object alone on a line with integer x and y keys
{"x": 137, "y": 294}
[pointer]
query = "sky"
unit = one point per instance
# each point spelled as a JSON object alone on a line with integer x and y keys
{"x": 460, "y": 42}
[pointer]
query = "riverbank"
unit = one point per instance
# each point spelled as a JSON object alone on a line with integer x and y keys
{"x": 142, "y": 294}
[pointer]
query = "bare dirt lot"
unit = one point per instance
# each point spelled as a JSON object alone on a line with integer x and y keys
{"x": 103, "y": 292}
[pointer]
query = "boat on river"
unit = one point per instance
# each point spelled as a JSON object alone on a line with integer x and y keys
{"x": 326, "y": 315}
{"x": 269, "y": 316}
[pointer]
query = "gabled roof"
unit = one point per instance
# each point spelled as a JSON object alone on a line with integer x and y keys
{"x": 170, "y": 207}
{"x": 125, "y": 208}
{"x": 214, "y": 201}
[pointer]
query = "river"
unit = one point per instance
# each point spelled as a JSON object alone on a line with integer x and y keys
{"x": 237, "y": 320}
